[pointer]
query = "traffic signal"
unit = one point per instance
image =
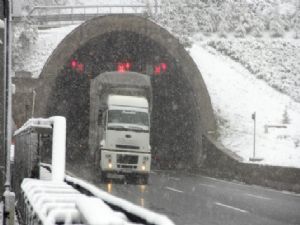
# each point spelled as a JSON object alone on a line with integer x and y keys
{"x": 160, "y": 68}
{"x": 124, "y": 66}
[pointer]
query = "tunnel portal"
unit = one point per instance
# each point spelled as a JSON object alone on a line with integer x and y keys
{"x": 181, "y": 106}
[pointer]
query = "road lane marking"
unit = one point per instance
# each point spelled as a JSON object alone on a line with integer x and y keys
{"x": 231, "y": 207}
{"x": 173, "y": 189}
{"x": 174, "y": 178}
{"x": 258, "y": 196}
{"x": 237, "y": 183}
{"x": 207, "y": 185}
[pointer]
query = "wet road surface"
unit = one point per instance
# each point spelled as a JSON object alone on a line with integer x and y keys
{"x": 190, "y": 199}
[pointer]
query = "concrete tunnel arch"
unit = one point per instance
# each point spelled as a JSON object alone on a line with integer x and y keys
{"x": 189, "y": 74}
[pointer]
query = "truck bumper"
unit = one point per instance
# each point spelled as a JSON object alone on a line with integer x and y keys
{"x": 118, "y": 162}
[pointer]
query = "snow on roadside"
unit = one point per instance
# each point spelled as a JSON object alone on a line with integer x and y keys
{"x": 235, "y": 95}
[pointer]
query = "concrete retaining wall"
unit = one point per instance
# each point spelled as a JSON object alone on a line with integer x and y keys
{"x": 222, "y": 164}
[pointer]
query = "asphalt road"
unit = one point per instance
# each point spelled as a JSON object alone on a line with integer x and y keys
{"x": 190, "y": 199}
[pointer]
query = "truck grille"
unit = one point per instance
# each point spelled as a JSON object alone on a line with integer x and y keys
{"x": 127, "y": 159}
{"x": 128, "y": 146}
{"x": 126, "y": 166}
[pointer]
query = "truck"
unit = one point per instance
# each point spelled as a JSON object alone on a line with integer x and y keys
{"x": 119, "y": 126}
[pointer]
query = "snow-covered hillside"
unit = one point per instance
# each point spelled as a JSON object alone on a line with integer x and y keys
{"x": 235, "y": 95}
{"x": 276, "y": 61}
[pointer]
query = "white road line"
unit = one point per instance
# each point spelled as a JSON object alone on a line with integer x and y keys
{"x": 174, "y": 178}
{"x": 252, "y": 186}
{"x": 173, "y": 189}
{"x": 208, "y": 185}
{"x": 258, "y": 196}
{"x": 231, "y": 207}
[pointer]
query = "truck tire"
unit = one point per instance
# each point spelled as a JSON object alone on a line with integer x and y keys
{"x": 103, "y": 177}
{"x": 144, "y": 179}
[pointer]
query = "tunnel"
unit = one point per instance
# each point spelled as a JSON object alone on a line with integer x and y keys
{"x": 181, "y": 112}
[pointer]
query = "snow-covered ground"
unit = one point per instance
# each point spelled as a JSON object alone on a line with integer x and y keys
{"x": 235, "y": 95}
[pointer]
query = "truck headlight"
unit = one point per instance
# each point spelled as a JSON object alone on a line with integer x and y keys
{"x": 109, "y": 164}
{"x": 143, "y": 167}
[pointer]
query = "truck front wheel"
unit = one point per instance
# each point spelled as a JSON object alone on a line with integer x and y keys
{"x": 103, "y": 176}
{"x": 144, "y": 178}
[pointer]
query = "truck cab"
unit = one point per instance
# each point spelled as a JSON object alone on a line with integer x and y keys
{"x": 119, "y": 135}
{"x": 125, "y": 146}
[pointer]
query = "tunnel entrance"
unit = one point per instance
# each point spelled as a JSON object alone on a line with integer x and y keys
{"x": 172, "y": 125}
{"x": 181, "y": 106}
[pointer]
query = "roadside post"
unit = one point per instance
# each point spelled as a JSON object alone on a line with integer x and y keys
{"x": 8, "y": 196}
{"x": 254, "y": 132}
{"x": 253, "y": 159}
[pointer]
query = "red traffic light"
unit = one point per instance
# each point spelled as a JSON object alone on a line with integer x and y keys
{"x": 160, "y": 68}
{"x": 77, "y": 66}
{"x": 74, "y": 63}
{"x": 163, "y": 67}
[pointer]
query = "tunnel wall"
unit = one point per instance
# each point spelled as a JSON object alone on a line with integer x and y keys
{"x": 224, "y": 164}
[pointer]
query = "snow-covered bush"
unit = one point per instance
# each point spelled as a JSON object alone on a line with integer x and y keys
{"x": 240, "y": 31}
{"x": 296, "y": 22}
{"x": 276, "y": 28}
{"x": 239, "y": 17}
{"x": 285, "y": 117}
{"x": 24, "y": 36}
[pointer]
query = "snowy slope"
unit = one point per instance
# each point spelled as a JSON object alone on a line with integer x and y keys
{"x": 235, "y": 95}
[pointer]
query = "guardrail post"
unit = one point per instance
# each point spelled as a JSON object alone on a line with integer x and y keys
{"x": 8, "y": 208}
{"x": 58, "y": 148}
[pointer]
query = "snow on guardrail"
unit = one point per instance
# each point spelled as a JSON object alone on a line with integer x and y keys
{"x": 58, "y": 124}
{"x": 125, "y": 206}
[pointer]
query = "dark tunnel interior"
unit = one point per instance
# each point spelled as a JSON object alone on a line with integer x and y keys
{"x": 173, "y": 138}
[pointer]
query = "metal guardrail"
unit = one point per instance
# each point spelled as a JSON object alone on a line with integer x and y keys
{"x": 64, "y": 199}
{"x": 43, "y": 14}
{"x": 134, "y": 214}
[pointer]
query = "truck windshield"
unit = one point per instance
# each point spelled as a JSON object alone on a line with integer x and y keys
{"x": 128, "y": 117}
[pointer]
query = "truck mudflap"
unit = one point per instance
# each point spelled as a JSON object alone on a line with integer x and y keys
{"x": 141, "y": 178}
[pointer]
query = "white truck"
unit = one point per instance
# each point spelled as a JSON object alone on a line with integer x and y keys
{"x": 119, "y": 132}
